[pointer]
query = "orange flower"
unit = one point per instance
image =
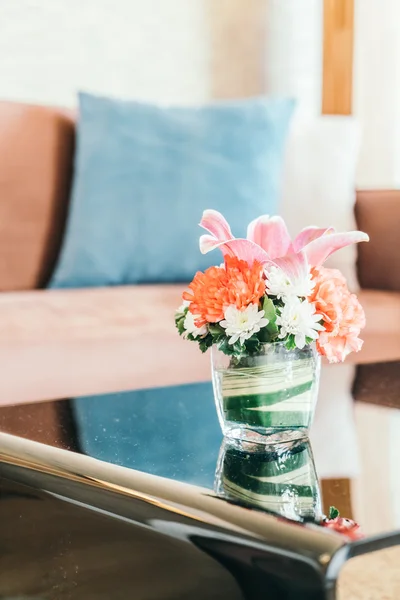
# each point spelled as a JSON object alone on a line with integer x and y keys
{"x": 343, "y": 315}
{"x": 217, "y": 288}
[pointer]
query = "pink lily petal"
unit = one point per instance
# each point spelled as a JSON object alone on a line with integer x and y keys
{"x": 208, "y": 243}
{"x": 271, "y": 234}
{"x": 216, "y": 224}
{"x": 242, "y": 249}
{"x": 309, "y": 234}
{"x": 321, "y": 248}
{"x": 248, "y": 251}
{"x": 294, "y": 265}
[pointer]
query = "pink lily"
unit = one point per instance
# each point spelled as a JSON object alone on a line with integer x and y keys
{"x": 222, "y": 237}
{"x": 269, "y": 242}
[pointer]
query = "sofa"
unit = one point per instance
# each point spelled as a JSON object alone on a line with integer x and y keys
{"x": 64, "y": 343}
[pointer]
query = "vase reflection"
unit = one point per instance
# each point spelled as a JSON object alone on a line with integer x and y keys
{"x": 279, "y": 478}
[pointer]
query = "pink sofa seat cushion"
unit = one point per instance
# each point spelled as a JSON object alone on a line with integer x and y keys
{"x": 382, "y": 333}
{"x": 131, "y": 312}
{"x": 64, "y": 343}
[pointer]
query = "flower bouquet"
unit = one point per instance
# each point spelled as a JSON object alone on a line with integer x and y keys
{"x": 268, "y": 312}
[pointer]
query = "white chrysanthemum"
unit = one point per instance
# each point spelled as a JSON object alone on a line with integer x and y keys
{"x": 299, "y": 318}
{"x": 191, "y": 328}
{"x": 242, "y": 324}
{"x": 280, "y": 285}
{"x": 185, "y": 304}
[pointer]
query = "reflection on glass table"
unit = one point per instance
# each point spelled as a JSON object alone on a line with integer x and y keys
{"x": 173, "y": 432}
{"x": 280, "y": 478}
{"x": 255, "y": 510}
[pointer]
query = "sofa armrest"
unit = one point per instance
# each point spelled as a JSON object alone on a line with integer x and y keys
{"x": 378, "y": 214}
{"x": 36, "y": 149}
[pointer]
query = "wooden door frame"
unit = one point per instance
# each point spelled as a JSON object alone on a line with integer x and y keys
{"x": 338, "y": 48}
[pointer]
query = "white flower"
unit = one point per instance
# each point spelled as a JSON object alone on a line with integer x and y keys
{"x": 241, "y": 324}
{"x": 191, "y": 328}
{"x": 299, "y": 319}
{"x": 185, "y": 304}
{"x": 280, "y": 285}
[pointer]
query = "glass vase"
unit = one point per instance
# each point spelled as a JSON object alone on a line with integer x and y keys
{"x": 270, "y": 394}
{"x": 279, "y": 478}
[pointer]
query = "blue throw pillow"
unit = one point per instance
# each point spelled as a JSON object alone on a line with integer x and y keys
{"x": 144, "y": 174}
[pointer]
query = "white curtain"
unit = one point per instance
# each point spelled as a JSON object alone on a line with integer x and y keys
{"x": 293, "y": 61}
{"x": 376, "y": 89}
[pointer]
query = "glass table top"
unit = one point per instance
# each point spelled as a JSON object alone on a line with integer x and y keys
{"x": 173, "y": 432}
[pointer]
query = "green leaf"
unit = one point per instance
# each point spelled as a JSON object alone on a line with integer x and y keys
{"x": 227, "y": 348}
{"x": 236, "y": 350}
{"x": 180, "y": 316}
{"x": 270, "y": 314}
{"x": 252, "y": 345}
{"x": 290, "y": 342}
{"x": 180, "y": 324}
{"x": 218, "y": 333}
{"x": 215, "y": 329}
{"x": 269, "y": 309}
{"x": 333, "y": 512}
{"x": 205, "y": 343}
{"x": 264, "y": 336}
{"x": 181, "y": 313}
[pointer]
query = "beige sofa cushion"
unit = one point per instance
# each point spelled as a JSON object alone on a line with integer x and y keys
{"x": 382, "y": 333}
{"x": 62, "y": 343}
{"x": 130, "y": 312}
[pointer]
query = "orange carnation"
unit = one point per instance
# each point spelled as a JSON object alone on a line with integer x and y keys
{"x": 343, "y": 315}
{"x": 211, "y": 292}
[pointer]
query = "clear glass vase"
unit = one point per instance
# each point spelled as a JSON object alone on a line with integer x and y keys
{"x": 279, "y": 478}
{"x": 272, "y": 393}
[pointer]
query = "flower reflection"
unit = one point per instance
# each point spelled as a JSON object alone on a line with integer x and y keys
{"x": 342, "y": 525}
{"x": 279, "y": 478}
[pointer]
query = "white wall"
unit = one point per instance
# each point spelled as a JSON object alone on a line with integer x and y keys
{"x": 144, "y": 49}
{"x": 377, "y": 91}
